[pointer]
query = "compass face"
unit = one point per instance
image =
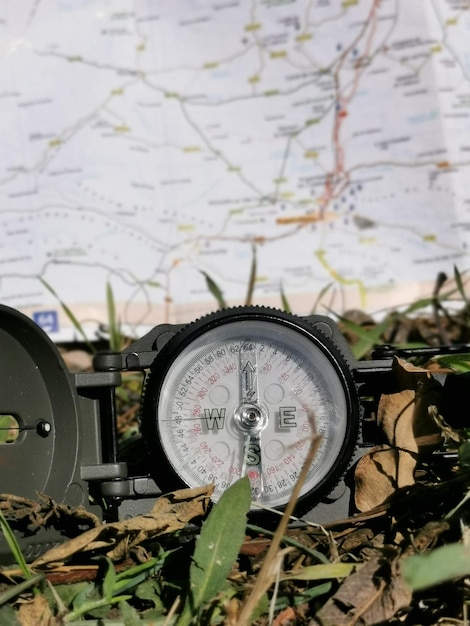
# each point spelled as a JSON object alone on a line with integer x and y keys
{"x": 243, "y": 394}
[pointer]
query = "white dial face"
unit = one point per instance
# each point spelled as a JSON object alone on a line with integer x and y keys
{"x": 237, "y": 401}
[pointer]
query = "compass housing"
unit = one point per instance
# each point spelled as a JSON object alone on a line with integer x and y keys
{"x": 241, "y": 392}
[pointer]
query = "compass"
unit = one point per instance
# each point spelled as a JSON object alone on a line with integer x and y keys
{"x": 241, "y": 392}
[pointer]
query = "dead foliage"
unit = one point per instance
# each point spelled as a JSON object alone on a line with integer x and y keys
{"x": 23, "y": 513}
{"x": 410, "y": 431}
{"x": 117, "y": 540}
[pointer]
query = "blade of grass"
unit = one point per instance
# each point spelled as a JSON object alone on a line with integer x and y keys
{"x": 323, "y": 291}
{"x": 252, "y": 278}
{"x": 109, "y": 580}
{"x": 285, "y": 303}
{"x": 459, "y": 282}
{"x": 289, "y": 541}
{"x": 322, "y": 571}
{"x": 115, "y": 337}
{"x": 367, "y": 338}
{"x": 443, "y": 564}
{"x": 217, "y": 548}
{"x": 13, "y": 592}
{"x": 215, "y": 290}
{"x": 457, "y": 362}
{"x": 76, "y": 324}
{"x": 423, "y": 303}
{"x": 305, "y": 595}
{"x": 14, "y": 547}
{"x": 92, "y": 605}
{"x": 136, "y": 575}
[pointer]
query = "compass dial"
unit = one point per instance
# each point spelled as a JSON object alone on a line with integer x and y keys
{"x": 241, "y": 392}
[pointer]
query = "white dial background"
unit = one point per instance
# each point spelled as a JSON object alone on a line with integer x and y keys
{"x": 283, "y": 377}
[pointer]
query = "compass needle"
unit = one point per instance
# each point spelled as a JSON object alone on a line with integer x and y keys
{"x": 251, "y": 418}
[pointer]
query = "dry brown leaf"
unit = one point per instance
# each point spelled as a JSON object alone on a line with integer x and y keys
{"x": 171, "y": 512}
{"x": 410, "y": 432}
{"x": 286, "y": 617}
{"x": 426, "y": 537}
{"x": 427, "y": 392}
{"x": 354, "y": 539}
{"x": 77, "y": 360}
{"x": 395, "y": 416}
{"x": 371, "y": 595}
{"x": 36, "y": 613}
{"x": 43, "y": 512}
{"x": 447, "y": 432}
{"x": 376, "y": 476}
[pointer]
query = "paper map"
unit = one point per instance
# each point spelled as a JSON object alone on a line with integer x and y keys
{"x": 145, "y": 143}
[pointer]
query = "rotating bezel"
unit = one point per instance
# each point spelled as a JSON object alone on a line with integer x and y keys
{"x": 166, "y": 470}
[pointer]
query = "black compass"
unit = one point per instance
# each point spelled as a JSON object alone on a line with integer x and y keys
{"x": 241, "y": 392}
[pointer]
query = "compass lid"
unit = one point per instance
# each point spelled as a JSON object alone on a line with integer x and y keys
{"x": 36, "y": 392}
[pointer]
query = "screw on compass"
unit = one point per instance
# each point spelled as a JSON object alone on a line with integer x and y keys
{"x": 43, "y": 428}
{"x": 231, "y": 394}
